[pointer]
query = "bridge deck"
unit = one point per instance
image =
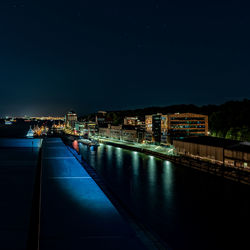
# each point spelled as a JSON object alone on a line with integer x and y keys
{"x": 75, "y": 213}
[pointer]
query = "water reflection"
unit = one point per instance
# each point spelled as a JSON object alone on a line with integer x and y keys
{"x": 135, "y": 163}
{"x": 119, "y": 162}
{"x": 100, "y": 150}
{"x": 151, "y": 169}
{"x": 167, "y": 181}
{"x": 92, "y": 154}
{"x": 109, "y": 155}
{"x": 174, "y": 201}
{"x": 75, "y": 145}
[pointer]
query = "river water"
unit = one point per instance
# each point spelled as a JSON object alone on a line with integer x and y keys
{"x": 186, "y": 208}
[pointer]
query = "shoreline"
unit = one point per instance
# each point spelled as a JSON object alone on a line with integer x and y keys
{"x": 239, "y": 175}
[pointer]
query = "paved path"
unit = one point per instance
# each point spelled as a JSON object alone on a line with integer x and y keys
{"x": 75, "y": 213}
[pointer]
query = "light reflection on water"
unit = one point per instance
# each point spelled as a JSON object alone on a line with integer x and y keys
{"x": 119, "y": 162}
{"x": 135, "y": 164}
{"x": 182, "y": 205}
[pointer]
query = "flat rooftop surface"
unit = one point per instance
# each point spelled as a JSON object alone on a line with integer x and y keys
{"x": 210, "y": 141}
{"x": 18, "y": 162}
{"x": 240, "y": 147}
{"x": 75, "y": 213}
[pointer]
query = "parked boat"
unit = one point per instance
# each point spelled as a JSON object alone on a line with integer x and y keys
{"x": 8, "y": 122}
{"x": 30, "y": 133}
{"x": 89, "y": 143}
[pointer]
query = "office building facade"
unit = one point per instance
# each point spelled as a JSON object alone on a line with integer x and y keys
{"x": 70, "y": 119}
{"x": 187, "y": 124}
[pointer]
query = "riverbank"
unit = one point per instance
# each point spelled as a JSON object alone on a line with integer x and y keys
{"x": 240, "y": 175}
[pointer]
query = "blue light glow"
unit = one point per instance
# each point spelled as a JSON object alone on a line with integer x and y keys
{"x": 73, "y": 180}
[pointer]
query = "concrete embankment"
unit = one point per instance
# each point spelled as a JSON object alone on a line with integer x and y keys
{"x": 240, "y": 175}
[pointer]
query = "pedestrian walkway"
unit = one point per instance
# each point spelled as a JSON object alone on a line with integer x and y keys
{"x": 75, "y": 213}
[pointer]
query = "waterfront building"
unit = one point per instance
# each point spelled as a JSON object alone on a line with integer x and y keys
{"x": 86, "y": 128}
{"x": 80, "y": 127}
{"x": 238, "y": 155}
{"x": 92, "y": 128}
{"x": 115, "y": 132}
{"x": 133, "y": 120}
{"x": 164, "y": 124}
{"x": 187, "y": 124}
{"x": 152, "y": 132}
{"x": 130, "y": 133}
{"x": 148, "y": 136}
{"x": 122, "y": 132}
{"x": 165, "y": 139}
{"x": 140, "y": 133}
{"x": 216, "y": 150}
{"x": 148, "y": 123}
{"x": 156, "y": 128}
{"x": 70, "y": 119}
{"x": 104, "y": 131}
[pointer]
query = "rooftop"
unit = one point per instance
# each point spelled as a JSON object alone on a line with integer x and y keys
{"x": 242, "y": 147}
{"x": 219, "y": 142}
{"x": 210, "y": 141}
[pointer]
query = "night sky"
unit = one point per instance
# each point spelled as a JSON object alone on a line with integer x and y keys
{"x": 109, "y": 55}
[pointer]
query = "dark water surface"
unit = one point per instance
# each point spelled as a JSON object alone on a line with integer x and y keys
{"x": 188, "y": 209}
{"x": 19, "y": 129}
{"x": 16, "y": 130}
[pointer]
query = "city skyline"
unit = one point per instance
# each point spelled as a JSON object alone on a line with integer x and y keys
{"x": 177, "y": 107}
{"x": 121, "y": 55}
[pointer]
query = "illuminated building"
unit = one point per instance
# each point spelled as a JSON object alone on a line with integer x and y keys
{"x": 156, "y": 128}
{"x": 86, "y": 128}
{"x": 125, "y": 132}
{"x": 80, "y": 127}
{"x": 134, "y": 121}
{"x": 104, "y": 131}
{"x": 164, "y": 123}
{"x": 92, "y": 128}
{"x": 70, "y": 119}
{"x": 214, "y": 149}
{"x": 156, "y": 125}
{"x": 187, "y": 124}
{"x": 115, "y": 131}
{"x": 174, "y": 126}
{"x": 238, "y": 155}
{"x": 148, "y": 123}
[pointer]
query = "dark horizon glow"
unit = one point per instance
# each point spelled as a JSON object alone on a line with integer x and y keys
{"x": 111, "y": 55}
